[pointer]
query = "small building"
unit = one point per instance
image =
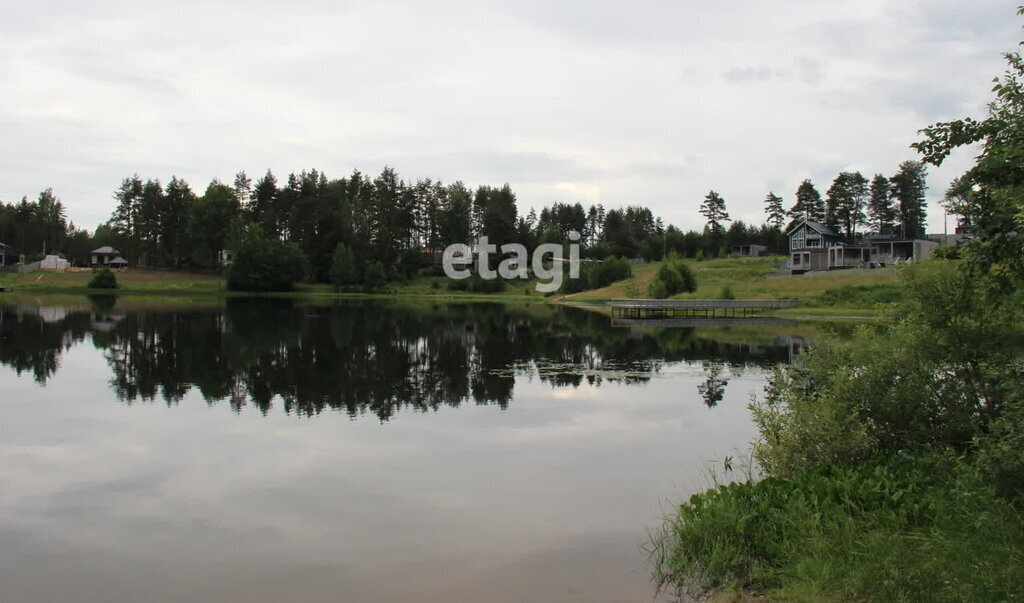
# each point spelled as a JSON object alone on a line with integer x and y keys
{"x": 108, "y": 256}
{"x": 748, "y": 251}
{"x": 887, "y": 249}
{"x": 8, "y": 256}
{"x": 54, "y": 262}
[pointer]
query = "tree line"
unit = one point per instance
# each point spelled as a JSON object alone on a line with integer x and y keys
{"x": 403, "y": 225}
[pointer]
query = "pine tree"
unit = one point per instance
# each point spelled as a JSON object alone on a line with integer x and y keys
{"x": 881, "y": 211}
{"x": 909, "y": 186}
{"x": 845, "y": 203}
{"x": 774, "y": 211}
{"x": 809, "y": 204}
{"x": 713, "y": 210}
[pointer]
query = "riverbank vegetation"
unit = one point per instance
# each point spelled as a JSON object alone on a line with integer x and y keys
{"x": 893, "y": 462}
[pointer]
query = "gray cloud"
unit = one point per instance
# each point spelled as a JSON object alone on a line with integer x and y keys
{"x": 570, "y": 101}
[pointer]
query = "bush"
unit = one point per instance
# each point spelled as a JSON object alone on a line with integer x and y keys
{"x": 103, "y": 279}
{"x": 265, "y": 265}
{"x": 609, "y": 271}
{"x": 936, "y": 375}
{"x": 674, "y": 276}
{"x": 727, "y": 293}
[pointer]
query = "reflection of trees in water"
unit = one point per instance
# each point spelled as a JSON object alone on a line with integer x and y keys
{"x": 357, "y": 357}
{"x": 712, "y": 389}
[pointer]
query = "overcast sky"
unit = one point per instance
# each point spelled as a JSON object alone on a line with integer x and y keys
{"x": 641, "y": 102}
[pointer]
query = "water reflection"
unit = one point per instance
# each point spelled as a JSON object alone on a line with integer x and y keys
{"x": 361, "y": 357}
{"x": 550, "y": 500}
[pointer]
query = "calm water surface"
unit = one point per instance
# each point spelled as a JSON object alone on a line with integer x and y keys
{"x": 270, "y": 451}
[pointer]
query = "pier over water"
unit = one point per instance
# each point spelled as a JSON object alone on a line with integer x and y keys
{"x": 641, "y": 309}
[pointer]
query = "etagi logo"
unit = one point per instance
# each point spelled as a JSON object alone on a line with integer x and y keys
{"x": 548, "y": 262}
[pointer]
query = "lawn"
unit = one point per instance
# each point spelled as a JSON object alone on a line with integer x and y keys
{"x": 128, "y": 281}
{"x": 747, "y": 278}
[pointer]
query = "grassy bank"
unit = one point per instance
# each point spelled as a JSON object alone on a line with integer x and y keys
{"x": 834, "y": 292}
{"x": 895, "y": 529}
{"x": 831, "y": 294}
{"x": 176, "y": 283}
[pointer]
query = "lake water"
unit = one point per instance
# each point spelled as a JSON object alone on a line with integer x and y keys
{"x": 264, "y": 450}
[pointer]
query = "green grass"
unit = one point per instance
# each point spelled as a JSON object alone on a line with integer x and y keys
{"x": 898, "y": 529}
{"x": 746, "y": 278}
{"x": 166, "y": 282}
{"x": 853, "y": 293}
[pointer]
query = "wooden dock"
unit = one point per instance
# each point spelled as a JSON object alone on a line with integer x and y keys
{"x": 645, "y": 309}
{"x": 685, "y": 323}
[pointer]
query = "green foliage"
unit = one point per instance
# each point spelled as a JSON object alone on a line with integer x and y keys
{"x": 344, "y": 271}
{"x": 935, "y": 376}
{"x": 861, "y": 296}
{"x": 895, "y": 528}
{"x": 375, "y": 278}
{"x": 103, "y": 279}
{"x": 775, "y": 214}
{"x": 809, "y": 205}
{"x": 713, "y": 210}
{"x": 674, "y": 276}
{"x": 598, "y": 275}
{"x": 726, "y": 293}
{"x": 265, "y": 265}
{"x": 476, "y": 284}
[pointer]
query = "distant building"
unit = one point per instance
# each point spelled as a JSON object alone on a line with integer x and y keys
{"x": 748, "y": 251}
{"x": 889, "y": 249}
{"x": 8, "y": 255}
{"x": 54, "y": 262}
{"x": 814, "y": 246}
{"x": 108, "y": 256}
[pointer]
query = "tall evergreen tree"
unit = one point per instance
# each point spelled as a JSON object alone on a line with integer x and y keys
{"x": 125, "y": 220}
{"x": 909, "y": 186}
{"x": 809, "y": 205}
{"x": 179, "y": 201}
{"x": 881, "y": 211}
{"x": 713, "y": 210}
{"x": 261, "y": 207}
{"x": 845, "y": 203}
{"x": 775, "y": 213}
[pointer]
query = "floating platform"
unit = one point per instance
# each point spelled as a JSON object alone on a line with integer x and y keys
{"x": 646, "y": 309}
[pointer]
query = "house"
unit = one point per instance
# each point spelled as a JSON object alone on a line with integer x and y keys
{"x": 808, "y": 246}
{"x": 748, "y": 251}
{"x": 108, "y": 256}
{"x": 814, "y": 246}
{"x": 887, "y": 249}
{"x": 8, "y": 256}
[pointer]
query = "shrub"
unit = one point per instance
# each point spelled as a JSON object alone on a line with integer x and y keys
{"x": 610, "y": 270}
{"x": 657, "y": 290}
{"x": 265, "y": 265}
{"x": 727, "y": 293}
{"x": 103, "y": 279}
{"x": 674, "y": 276}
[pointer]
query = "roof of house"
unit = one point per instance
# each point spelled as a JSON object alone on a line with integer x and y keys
{"x": 106, "y": 249}
{"x": 821, "y": 228}
{"x": 118, "y": 260}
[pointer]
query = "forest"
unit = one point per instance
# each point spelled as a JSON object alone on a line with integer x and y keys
{"x": 400, "y": 226}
